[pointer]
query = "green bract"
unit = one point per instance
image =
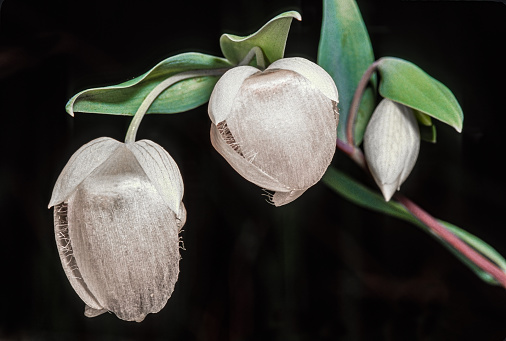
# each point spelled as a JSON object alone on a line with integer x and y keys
{"x": 271, "y": 38}
{"x": 125, "y": 98}
{"x": 406, "y": 83}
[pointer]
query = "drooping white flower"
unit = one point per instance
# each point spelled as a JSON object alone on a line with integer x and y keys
{"x": 117, "y": 214}
{"x": 277, "y": 127}
{"x": 391, "y": 145}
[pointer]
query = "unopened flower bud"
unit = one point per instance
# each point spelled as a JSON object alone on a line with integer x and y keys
{"x": 391, "y": 145}
{"x": 277, "y": 128}
{"x": 117, "y": 214}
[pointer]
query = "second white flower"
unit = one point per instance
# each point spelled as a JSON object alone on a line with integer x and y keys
{"x": 277, "y": 128}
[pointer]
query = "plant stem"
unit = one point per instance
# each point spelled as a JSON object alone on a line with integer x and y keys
{"x": 355, "y": 102}
{"x": 157, "y": 90}
{"x": 256, "y": 52}
{"x": 452, "y": 239}
{"x": 434, "y": 226}
{"x": 354, "y": 153}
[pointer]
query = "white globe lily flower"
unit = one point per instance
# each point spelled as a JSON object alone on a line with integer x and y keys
{"x": 391, "y": 145}
{"x": 117, "y": 214}
{"x": 277, "y": 127}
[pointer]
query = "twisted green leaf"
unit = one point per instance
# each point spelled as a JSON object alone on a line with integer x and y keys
{"x": 271, "y": 38}
{"x": 125, "y": 98}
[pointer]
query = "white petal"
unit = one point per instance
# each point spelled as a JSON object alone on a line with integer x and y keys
{"x": 66, "y": 253}
{"x": 91, "y": 312}
{"x": 283, "y": 198}
{"x": 313, "y": 72}
{"x": 285, "y": 127}
{"x": 80, "y": 165}
{"x": 391, "y": 145}
{"x": 162, "y": 171}
{"x": 245, "y": 168}
{"x": 225, "y": 92}
{"x": 125, "y": 238}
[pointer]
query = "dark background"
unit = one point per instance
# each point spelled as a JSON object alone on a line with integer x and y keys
{"x": 317, "y": 269}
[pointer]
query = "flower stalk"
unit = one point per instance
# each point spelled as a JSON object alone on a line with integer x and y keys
{"x": 355, "y": 102}
{"x": 161, "y": 87}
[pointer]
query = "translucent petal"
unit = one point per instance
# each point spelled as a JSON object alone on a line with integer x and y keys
{"x": 125, "y": 238}
{"x": 161, "y": 170}
{"x": 283, "y": 198}
{"x": 225, "y": 92}
{"x": 91, "y": 312}
{"x": 285, "y": 127}
{"x": 313, "y": 72}
{"x": 80, "y": 165}
{"x": 391, "y": 145}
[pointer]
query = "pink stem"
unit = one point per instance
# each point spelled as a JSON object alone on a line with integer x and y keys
{"x": 355, "y": 102}
{"x": 475, "y": 257}
{"x": 434, "y": 226}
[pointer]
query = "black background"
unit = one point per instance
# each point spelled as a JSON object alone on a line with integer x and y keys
{"x": 317, "y": 269}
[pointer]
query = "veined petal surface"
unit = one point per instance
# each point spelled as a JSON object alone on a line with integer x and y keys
{"x": 313, "y": 72}
{"x": 243, "y": 166}
{"x": 124, "y": 238}
{"x": 81, "y": 164}
{"x": 161, "y": 170}
{"x": 285, "y": 126}
{"x": 391, "y": 145}
{"x": 225, "y": 92}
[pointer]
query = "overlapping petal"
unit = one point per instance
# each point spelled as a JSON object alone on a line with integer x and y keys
{"x": 117, "y": 227}
{"x": 279, "y": 126}
{"x": 391, "y": 145}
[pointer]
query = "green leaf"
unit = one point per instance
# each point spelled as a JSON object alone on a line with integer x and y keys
{"x": 125, "y": 98}
{"x": 345, "y": 52}
{"x": 363, "y": 196}
{"x": 271, "y": 38}
{"x": 406, "y": 83}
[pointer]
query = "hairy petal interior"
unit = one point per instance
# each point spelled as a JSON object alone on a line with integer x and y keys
{"x": 66, "y": 252}
{"x": 243, "y": 166}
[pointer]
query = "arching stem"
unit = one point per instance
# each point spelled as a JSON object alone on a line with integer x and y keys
{"x": 355, "y": 102}
{"x": 258, "y": 54}
{"x": 157, "y": 90}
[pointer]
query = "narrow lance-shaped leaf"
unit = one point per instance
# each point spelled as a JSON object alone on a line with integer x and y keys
{"x": 363, "y": 196}
{"x": 406, "y": 83}
{"x": 125, "y": 98}
{"x": 345, "y": 52}
{"x": 271, "y": 38}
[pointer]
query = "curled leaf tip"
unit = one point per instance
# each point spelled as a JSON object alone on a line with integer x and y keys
{"x": 271, "y": 38}
{"x": 69, "y": 107}
{"x": 293, "y": 14}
